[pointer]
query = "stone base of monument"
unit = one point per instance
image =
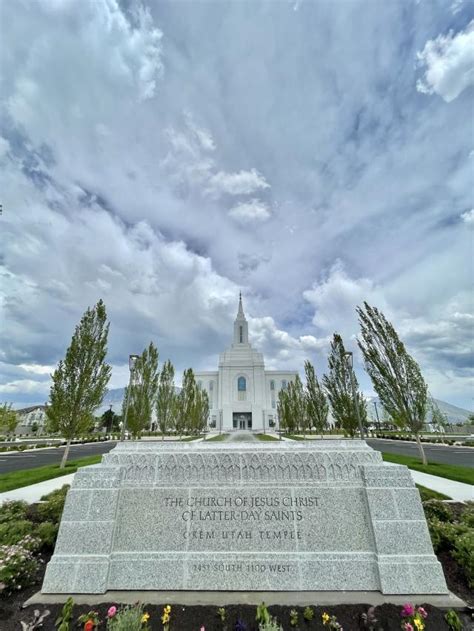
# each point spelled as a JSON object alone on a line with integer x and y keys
{"x": 316, "y": 516}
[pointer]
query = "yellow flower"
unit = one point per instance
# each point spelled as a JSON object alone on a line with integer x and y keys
{"x": 418, "y": 624}
{"x": 168, "y": 608}
{"x": 325, "y": 618}
{"x": 145, "y": 618}
{"x": 165, "y": 617}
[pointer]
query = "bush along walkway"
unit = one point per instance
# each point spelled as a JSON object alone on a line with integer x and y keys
{"x": 28, "y": 534}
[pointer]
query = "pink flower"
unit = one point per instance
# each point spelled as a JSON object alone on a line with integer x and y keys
{"x": 408, "y": 610}
{"x": 111, "y": 612}
{"x": 202, "y": 628}
{"x": 408, "y": 627}
{"x": 422, "y": 612}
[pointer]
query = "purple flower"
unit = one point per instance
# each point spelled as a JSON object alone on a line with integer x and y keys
{"x": 408, "y": 610}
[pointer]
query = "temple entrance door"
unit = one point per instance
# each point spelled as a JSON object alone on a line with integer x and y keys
{"x": 242, "y": 420}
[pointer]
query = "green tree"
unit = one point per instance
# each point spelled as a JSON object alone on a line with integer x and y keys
{"x": 395, "y": 375}
{"x": 108, "y": 420}
{"x": 80, "y": 380}
{"x": 166, "y": 399}
{"x": 186, "y": 403}
{"x": 285, "y": 420}
{"x": 201, "y": 411}
{"x": 8, "y": 419}
{"x": 297, "y": 405}
{"x": 339, "y": 389}
{"x": 140, "y": 396}
{"x": 317, "y": 407}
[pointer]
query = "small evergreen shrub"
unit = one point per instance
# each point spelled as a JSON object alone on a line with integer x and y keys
{"x": 52, "y": 507}
{"x": 13, "y": 532}
{"x": 435, "y": 509}
{"x": 47, "y": 533}
{"x": 444, "y": 534}
{"x": 13, "y": 511}
{"x": 464, "y": 554}
{"x": 467, "y": 516}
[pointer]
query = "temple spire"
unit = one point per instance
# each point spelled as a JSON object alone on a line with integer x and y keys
{"x": 240, "y": 312}
{"x": 241, "y": 327}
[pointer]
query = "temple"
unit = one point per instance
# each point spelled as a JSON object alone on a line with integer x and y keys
{"x": 242, "y": 394}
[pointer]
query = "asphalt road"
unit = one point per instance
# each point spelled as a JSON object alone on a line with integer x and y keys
{"x": 39, "y": 458}
{"x": 461, "y": 456}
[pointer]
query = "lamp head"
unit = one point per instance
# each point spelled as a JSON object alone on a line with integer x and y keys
{"x": 132, "y": 360}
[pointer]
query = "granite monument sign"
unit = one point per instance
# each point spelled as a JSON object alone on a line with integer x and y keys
{"x": 321, "y": 515}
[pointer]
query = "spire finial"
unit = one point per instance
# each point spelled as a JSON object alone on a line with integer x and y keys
{"x": 240, "y": 313}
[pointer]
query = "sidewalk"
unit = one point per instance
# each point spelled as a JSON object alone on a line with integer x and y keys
{"x": 34, "y": 492}
{"x": 455, "y": 490}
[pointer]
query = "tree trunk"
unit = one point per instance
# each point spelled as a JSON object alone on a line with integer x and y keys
{"x": 421, "y": 450}
{"x": 65, "y": 454}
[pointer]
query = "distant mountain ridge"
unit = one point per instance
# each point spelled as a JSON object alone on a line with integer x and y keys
{"x": 455, "y": 414}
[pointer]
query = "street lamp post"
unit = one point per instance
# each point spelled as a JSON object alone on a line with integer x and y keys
{"x": 132, "y": 360}
{"x": 350, "y": 358}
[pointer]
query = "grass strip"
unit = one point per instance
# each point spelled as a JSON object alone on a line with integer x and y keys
{"x": 218, "y": 437}
{"x": 265, "y": 437}
{"x": 429, "y": 494}
{"x": 188, "y": 439}
{"x": 18, "y": 479}
{"x": 448, "y": 471}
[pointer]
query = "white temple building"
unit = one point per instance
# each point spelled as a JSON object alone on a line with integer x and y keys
{"x": 242, "y": 394}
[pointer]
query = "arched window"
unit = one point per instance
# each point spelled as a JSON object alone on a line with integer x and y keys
{"x": 211, "y": 386}
{"x": 241, "y": 388}
{"x": 241, "y": 334}
{"x": 283, "y": 384}
{"x": 272, "y": 385}
{"x": 211, "y": 394}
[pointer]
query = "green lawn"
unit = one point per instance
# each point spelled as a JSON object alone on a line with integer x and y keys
{"x": 187, "y": 439}
{"x": 218, "y": 437}
{"x": 429, "y": 494}
{"x": 17, "y": 479}
{"x": 266, "y": 437}
{"x": 449, "y": 471}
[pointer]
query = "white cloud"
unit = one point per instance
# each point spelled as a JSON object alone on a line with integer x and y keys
{"x": 241, "y": 183}
{"x": 468, "y": 216}
{"x": 253, "y": 211}
{"x": 336, "y": 297}
{"x": 37, "y": 369}
{"x": 449, "y": 62}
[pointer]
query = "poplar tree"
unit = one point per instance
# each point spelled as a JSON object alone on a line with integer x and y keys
{"x": 285, "y": 420}
{"x": 186, "y": 403}
{"x": 201, "y": 410}
{"x": 339, "y": 389}
{"x": 140, "y": 396}
{"x": 317, "y": 407}
{"x": 80, "y": 380}
{"x": 395, "y": 375}
{"x": 8, "y": 418}
{"x": 297, "y": 407}
{"x": 166, "y": 399}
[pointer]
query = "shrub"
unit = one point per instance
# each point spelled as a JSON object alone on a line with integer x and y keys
{"x": 467, "y": 516}
{"x": 444, "y": 534}
{"x": 308, "y": 614}
{"x": 437, "y": 510}
{"x": 453, "y": 620}
{"x": 12, "y": 532}
{"x": 18, "y": 567}
{"x": 13, "y": 511}
{"x": 464, "y": 554}
{"x": 270, "y": 625}
{"x": 130, "y": 618}
{"x": 47, "y": 533}
{"x": 51, "y": 509}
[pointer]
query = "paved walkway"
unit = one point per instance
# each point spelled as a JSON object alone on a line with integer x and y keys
{"x": 35, "y": 492}
{"x": 241, "y": 437}
{"x": 455, "y": 490}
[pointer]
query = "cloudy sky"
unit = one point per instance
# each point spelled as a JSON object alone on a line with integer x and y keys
{"x": 164, "y": 156}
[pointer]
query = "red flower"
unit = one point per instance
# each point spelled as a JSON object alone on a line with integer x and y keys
{"x": 89, "y": 626}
